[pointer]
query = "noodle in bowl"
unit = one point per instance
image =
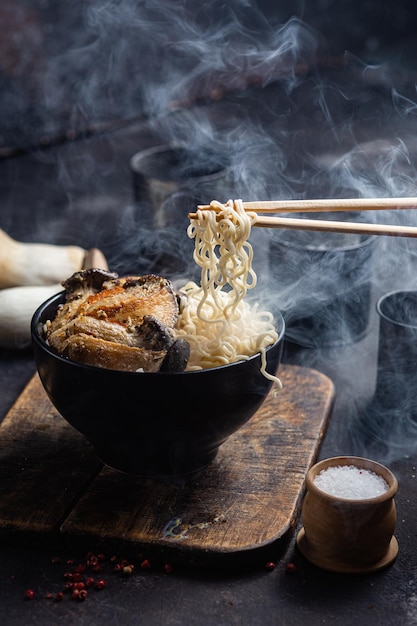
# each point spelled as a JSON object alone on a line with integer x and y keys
{"x": 170, "y": 425}
{"x": 221, "y": 326}
{"x": 161, "y": 425}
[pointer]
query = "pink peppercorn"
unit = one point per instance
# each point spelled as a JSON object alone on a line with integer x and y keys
{"x": 29, "y": 594}
{"x": 291, "y": 568}
{"x": 100, "y": 584}
{"x": 79, "y": 585}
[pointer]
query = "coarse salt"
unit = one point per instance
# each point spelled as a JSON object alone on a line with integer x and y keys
{"x": 350, "y": 482}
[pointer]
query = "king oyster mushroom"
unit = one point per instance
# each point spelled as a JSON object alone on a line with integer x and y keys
{"x": 123, "y": 323}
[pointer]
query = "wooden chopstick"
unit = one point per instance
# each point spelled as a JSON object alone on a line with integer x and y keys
{"x": 334, "y": 226}
{"x": 327, "y": 205}
{"x": 322, "y": 205}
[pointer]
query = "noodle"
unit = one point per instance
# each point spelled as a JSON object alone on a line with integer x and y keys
{"x": 220, "y": 326}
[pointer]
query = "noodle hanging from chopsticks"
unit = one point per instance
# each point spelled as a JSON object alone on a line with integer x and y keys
{"x": 219, "y": 324}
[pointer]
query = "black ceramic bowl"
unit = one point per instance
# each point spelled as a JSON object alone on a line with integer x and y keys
{"x": 160, "y": 425}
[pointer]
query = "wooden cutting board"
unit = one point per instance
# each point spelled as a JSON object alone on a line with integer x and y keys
{"x": 246, "y": 503}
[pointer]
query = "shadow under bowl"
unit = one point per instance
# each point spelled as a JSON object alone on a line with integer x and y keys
{"x": 157, "y": 425}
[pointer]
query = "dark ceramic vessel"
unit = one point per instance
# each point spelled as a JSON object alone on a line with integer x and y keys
{"x": 160, "y": 425}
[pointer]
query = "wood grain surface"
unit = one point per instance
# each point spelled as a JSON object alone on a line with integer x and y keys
{"x": 249, "y": 498}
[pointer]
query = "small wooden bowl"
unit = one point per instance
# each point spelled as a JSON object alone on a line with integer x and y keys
{"x": 349, "y": 535}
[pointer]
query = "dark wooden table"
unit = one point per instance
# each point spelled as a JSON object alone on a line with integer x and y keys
{"x": 81, "y": 193}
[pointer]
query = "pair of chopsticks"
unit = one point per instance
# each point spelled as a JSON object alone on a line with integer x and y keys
{"x": 327, "y": 205}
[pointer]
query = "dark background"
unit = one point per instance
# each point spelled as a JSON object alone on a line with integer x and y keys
{"x": 68, "y": 66}
{"x": 313, "y": 99}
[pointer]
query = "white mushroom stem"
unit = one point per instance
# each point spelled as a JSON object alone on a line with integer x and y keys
{"x": 17, "y": 306}
{"x": 36, "y": 263}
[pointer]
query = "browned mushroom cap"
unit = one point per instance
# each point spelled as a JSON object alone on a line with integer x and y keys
{"x": 153, "y": 334}
{"x": 89, "y": 280}
{"x": 177, "y": 356}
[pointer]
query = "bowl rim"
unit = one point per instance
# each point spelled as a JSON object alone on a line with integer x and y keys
{"x": 359, "y": 462}
{"x": 397, "y": 293}
{"x": 38, "y": 339}
{"x": 173, "y": 148}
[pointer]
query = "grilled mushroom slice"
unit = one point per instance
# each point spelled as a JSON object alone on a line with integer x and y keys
{"x": 120, "y": 323}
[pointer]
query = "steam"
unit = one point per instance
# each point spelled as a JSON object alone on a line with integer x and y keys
{"x": 229, "y": 79}
{"x": 111, "y": 59}
{"x": 250, "y": 91}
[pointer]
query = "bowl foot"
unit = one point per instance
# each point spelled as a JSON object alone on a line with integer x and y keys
{"x": 176, "y": 474}
{"x": 324, "y": 562}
